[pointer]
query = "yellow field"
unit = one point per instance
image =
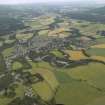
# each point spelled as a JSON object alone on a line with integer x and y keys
{"x": 99, "y": 58}
{"x": 75, "y": 55}
{"x": 61, "y": 32}
{"x": 98, "y": 46}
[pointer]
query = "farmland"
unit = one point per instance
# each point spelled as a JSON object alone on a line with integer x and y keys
{"x": 50, "y": 58}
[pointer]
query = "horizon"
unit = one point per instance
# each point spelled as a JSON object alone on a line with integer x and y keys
{"x": 47, "y": 1}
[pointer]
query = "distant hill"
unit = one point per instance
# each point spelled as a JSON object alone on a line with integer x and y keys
{"x": 8, "y": 24}
{"x": 100, "y": 10}
{"x": 93, "y": 15}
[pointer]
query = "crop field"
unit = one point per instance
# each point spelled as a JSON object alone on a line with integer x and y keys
{"x": 98, "y": 46}
{"x": 99, "y": 58}
{"x": 77, "y": 90}
{"x": 57, "y": 53}
{"x": 79, "y": 93}
{"x": 81, "y": 83}
{"x": 43, "y": 90}
{"x": 61, "y": 32}
{"x": 75, "y": 55}
{"x": 96, "y": 51}
{"x": 46, "y": 88}
{"x": 93, "y": 74}
{"x": 88, "y": 28}
{"x": 24, "y": 36}
{"x": 43, "y": 32}
{"x": 16, "y": 65}
{"x": 8, "y": 52}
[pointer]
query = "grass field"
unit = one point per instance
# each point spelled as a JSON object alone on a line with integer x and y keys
{"x": 43, "y": 90}
{"x": 98, "y": 46}
{"x": 76, "y": 93}
{"x": 96, "y": 52}
{"x": 24, "y": 36}
{"x": 101, "y": 40}
{"x": 8, "y": 52}
{"x": 99, "y": 58}
{"x": 93, "y": 74}
{"x": 98, "y": 101}
{"x": 16, "y": 65}
{"x": 43, "y": 33}
{"x": 47, "y": 88}
{"x": 57, "y": 53}
{"x": 88, "y": 28}
{"x": 79, "y": 86}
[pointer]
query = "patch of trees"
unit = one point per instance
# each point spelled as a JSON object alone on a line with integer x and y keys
{"x": 87, "y": 16}
{"x": 2, "y": 64}
{"x": 29, "y": 78}
{"x": 5, "y": 81}
{"x": 75, "y": 32}
{"x": 8, "y": 25}
{"x": 102, "y": 33}
{"x": 34, "y": 55}
{"x": 5, "y": 46}
{"x": 27, "y": 101}
{"x": 100, "y": 11}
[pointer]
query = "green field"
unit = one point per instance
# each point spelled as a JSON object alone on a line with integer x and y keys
{"x": 76, "y": 93}
{"x": 96, "y": 51}
{"x": 81, "y": 85}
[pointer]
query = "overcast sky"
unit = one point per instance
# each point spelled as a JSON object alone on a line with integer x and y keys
{"x": 34, "y": 1}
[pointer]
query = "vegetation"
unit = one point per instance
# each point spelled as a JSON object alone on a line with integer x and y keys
{"x": 52, "y": 54}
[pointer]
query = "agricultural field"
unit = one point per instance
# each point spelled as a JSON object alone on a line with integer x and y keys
{"x": 24, "y": 36}
{"x": 50, "y": 58}
{"x": 8, "y": 52}
{"x": 96, "y": 51}
{"x": 98, "y": 46}
{"x": 76, "y": 55}
{"x": 88, "y": 28}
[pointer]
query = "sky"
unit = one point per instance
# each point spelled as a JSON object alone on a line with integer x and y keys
{"x": 36, "y": 1}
